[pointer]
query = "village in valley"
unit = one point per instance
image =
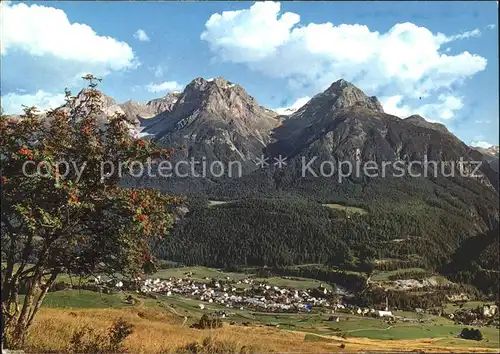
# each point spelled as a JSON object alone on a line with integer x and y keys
{"x": 226, "y": 296}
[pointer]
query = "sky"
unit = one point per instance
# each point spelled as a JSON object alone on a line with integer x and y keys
{"x": 436, "y": 59}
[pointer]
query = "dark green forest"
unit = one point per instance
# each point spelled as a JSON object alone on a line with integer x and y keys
{"x": 477, "y": 262}
{"x": 280, "y": 232}
{"x": 277, "y": 220}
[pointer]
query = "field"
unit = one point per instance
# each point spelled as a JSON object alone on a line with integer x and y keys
{"x": 348, "y": 209}
{"x": 384, "y": 275}
{"x": 216, "y": 202}
{"x": 158, "y": 330}
{"x": 162, "y": 324}
{"x": 200, "y": 273}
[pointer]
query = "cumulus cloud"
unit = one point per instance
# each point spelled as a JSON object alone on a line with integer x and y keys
{"x": 393, "y": 105}
{"x": 444, "y": 109}
{"x": 41, "y": 30}
{"x": 43, "y": 51}
{"x": 164, "y": 86}
{"x": 253, "y": 35}
{"x": 407, "y": 60}
{"x": 481, "y": 144}
{"x": 293, "y": 107}
{"x": 12, "y": 102}
{"x": 141, "y": 35}
{"x": 465, "y": 35}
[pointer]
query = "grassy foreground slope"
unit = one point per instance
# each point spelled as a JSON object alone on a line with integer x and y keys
{"x": 160, "y": 331}
{"x": 162, "y": 325}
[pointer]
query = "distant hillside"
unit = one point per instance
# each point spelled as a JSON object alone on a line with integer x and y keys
{"x": 476, "y": 261}
{"x": 492, "y": 151}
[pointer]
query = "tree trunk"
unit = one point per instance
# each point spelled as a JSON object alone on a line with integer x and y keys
{"x": 15, "y": 323}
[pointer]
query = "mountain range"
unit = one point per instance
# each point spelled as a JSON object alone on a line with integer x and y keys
{"x": 216, "y": 120}
{"x": 278, "y": 216}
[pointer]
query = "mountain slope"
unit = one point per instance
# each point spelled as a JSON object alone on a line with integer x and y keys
{"x": 343, "y": 124}
{"x": 421, "y": 219}
{"x": 420, "y": 121}
{"x": 215, "y": 119}
{"x": 492, "y": 151}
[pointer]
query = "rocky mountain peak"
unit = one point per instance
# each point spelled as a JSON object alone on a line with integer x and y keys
{"x": 202, "y": 85}
{"x": 219, "y": 96}
{"x": 344, "y": 94}
{"x": 106, "y": 101}
{"x": 165, "y": 103}
{"x": 416, "y": 118}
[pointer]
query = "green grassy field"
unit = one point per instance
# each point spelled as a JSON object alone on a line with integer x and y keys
{"x": 83, "y": 299}
{"x": 384, "y": 275}
{"x": 315, "y": 322}
{"x": 199, "y": 273}
{"x": 217, "y": 202}
{"x": 348, "y": 209}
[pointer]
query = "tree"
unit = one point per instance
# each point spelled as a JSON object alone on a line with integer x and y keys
{"x": 72, "y": 216}
{"x": 471, "y": 334}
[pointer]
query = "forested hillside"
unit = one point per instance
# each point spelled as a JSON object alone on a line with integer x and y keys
{"x": 477, "y": 262}
{"x": 286, "y": 231}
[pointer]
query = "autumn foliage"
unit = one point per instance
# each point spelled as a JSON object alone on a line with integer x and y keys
{"x": 75, "y": 217}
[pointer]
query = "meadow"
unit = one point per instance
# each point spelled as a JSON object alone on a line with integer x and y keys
{"x": 159, "y": 330}
{"x": 162, "y": 323}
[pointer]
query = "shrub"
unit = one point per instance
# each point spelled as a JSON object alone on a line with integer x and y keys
{"x": 88, "y": 340}
{"x": 120, "y": 330}
{"x": 208, "y": 323}
{"x": 210, "y": 345}
{"x": 471, "y": 334}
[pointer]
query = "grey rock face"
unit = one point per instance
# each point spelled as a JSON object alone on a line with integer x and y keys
{"x": 421, "y": 122}
{"x": 344, "y": 124}
{"x": 164, "y": 104}
{"x": 215, "y": 119}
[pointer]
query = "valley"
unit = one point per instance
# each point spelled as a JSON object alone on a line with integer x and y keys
{"x": 241, "y": 178}
{"x": 318, "y": 329}
{"x": 317, "y": 263}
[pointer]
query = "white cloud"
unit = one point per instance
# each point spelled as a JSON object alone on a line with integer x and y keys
{"x": 294, "y": 107}
{"x": 491, "y": 26}
{"x": 47, "y": 31}
{"x": 407, "y": 60}
{"x": 164, "y": 86}
{"x": 481, "y": 121}
{"x": 12, "y": 102}
{"x": 481, "y": 144}
{"x": 141, "y": 35}
{"x": 444, "y": 109}
{"x": 249, "y": 35}
{"x": 392, "y": 105}
{"x": 465, "y": 35}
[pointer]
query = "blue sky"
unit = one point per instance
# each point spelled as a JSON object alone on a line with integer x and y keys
{"x": 438, "y": 59}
